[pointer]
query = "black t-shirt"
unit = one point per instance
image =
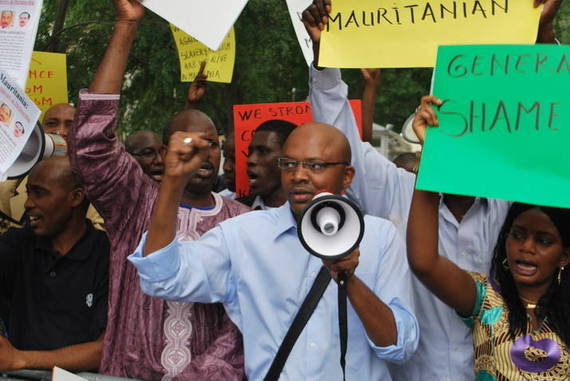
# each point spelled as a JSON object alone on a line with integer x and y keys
{"x": 54, "y": 301}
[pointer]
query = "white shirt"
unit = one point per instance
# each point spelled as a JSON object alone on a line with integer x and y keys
{"x": 381, "y": 189}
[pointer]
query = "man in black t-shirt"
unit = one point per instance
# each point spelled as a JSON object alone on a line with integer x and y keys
{"x": 54, "y": 277}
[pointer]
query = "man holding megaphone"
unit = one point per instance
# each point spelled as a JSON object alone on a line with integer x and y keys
{"x": 256, "y": 265}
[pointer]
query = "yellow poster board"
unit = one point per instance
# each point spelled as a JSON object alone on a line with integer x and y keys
{"x": 47, "y": 80}
{"x": 397, "y": 34}
{"x": 191, "y": 52}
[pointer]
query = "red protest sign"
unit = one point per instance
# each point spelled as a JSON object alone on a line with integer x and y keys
{"x": 248, "y": 117}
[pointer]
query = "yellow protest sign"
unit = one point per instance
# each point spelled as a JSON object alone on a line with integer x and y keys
{"x": 385, "y": 33}
{"x": 219, "y": 63}
{"x": 47, "y": 79}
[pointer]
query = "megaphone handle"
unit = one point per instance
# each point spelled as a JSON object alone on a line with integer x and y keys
{"x": 342, "y": 319}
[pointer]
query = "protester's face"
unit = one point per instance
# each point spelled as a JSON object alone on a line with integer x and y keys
{"x": 58, "y": 120}
{"x": 23, "y": 20}
{"x": 5, "y": 114}
{"x": 50, "y": 202}
{"x": 264, "y": 175}
{"x": 535, "y": 250}
{"x": 148, "y": 151}
{"x": 6, "y": 19}
{"x": 302, "y": 184}
{"x": 229, "y": 164}
{"x": 18, "y": 130}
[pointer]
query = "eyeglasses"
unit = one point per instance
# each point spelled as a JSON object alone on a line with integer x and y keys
{"x": 315, "y": 166}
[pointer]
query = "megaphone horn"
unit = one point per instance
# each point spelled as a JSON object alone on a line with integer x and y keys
{"x": 38, "y": 147}
{"x": 331, "y": 226}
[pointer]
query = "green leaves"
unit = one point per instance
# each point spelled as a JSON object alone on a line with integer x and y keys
{"x": 269, "y": 65}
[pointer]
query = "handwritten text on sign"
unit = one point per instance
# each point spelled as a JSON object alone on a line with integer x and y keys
{"x": 382, "y": 33}
{"x": 47, "y": 80}
{"x": 504, "y": 125}
{"x": 219, "y": 64}
{"x": 248, "y": 117}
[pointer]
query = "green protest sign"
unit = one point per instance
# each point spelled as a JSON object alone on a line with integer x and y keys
{"x": 504, "y": 126}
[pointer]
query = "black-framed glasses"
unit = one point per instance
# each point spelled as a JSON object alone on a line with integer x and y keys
{"x": 315, "y": 166}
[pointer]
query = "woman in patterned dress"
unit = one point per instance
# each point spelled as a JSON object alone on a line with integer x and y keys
{"x": 520, "y": 314}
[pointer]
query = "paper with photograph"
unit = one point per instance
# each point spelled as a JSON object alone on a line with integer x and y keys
{"x": 18, "y": 116}
{"x": 19, "y": 21}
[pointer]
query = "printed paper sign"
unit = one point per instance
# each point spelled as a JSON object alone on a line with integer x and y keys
{"x": 389, "y": 34}
{"x": 63, "y": 375}
{"x": 296, "y": 8}
{"x": 18, "y": 116}
{"x": 47, "y": 80}
{"x": 191, "y": 52}
{"x": 18, "y": 27}
{"x": 248, "y": 117}
{"x": 207, "y": 21}
{"x": 504, "y": 125}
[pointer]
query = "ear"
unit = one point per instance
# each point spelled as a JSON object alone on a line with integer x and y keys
{"x": 348, "y": 176}
{"x": 77, "y": 197}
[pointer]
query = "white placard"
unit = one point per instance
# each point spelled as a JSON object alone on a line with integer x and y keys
{"x": 18, "y": 116}
{"x": 63, "y": 375}
{"x": 208, "y": 21}
{"x": 296, "y": 8}
{"x": 19, "y": 20}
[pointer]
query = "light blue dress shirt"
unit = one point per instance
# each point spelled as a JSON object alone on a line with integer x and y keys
{"x": 445, "y": 351}
{"x": 256, "y": 266}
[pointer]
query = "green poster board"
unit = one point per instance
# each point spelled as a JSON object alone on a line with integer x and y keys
{"x": 505, "y": 125}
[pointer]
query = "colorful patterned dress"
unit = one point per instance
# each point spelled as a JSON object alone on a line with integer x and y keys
{"x": 538, "y": 356}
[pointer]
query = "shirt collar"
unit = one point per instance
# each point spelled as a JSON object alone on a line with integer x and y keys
{"x": 285, "y": 220}
{"x": 80, "y": 251}
{"x": 258, "y": 204}
{"x": 480, "y": 202}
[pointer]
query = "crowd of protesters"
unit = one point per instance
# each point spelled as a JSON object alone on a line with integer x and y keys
{"x": 135, "y": 259}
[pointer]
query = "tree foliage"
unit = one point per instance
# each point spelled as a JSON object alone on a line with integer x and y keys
{"x": 269, "y": 65}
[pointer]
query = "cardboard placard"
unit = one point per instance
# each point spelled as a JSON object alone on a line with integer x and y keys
{"x": 248, "y": 117}
{"x": 504, "y": 126}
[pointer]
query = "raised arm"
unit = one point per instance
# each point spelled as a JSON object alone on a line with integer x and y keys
{"x": 109, "y": 76}
{"x": 186, "y": 152}
{"x": 79, "y": 357}
{"x": 371, "y": 84}
{"x": 453, "y": 285}
{"x": 379, "y": 187}
{"x": 191, "y": 271}
{"x": 546, "y": 33}
{"x": 107, "y": 171}
{"x": 197, "y": 88}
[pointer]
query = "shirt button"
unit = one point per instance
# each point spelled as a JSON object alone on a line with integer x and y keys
{"x": 313, "y": 273}
{"x": 52, "y": 274}
{"x": 313, "y": 345}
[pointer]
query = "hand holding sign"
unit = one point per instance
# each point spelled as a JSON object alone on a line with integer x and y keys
{"x": 546, "y": 28}
{"x": 315, "y": 18}
{"x": 407, "y": 35}
{"x": 425, "y": 116}
{"x": 129, "y": 10}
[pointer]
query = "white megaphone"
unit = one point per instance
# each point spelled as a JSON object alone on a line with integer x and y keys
{"x": 38, "y": 147}
{"x": 331, "y": 226}
{"x": 408, "y": 132}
